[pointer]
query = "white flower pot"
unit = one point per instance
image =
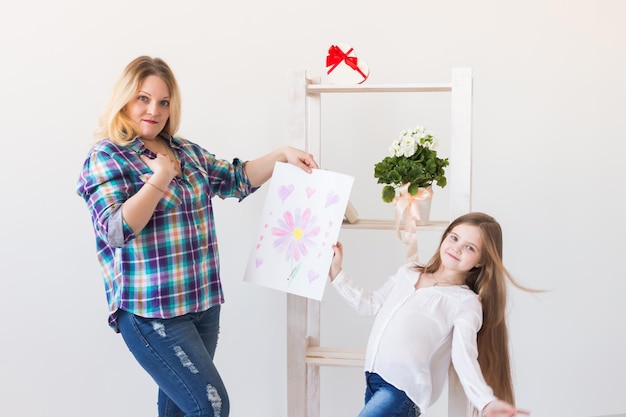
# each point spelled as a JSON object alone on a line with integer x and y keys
{"x": 413, "y": 208}
{"x": 424, "y": 211}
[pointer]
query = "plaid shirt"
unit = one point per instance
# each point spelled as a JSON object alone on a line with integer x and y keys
{"x": 172, "y": 266}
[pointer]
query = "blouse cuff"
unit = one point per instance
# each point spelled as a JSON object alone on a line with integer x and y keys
{"x": 484, "y": 402}
{"x": 340, "y": 277}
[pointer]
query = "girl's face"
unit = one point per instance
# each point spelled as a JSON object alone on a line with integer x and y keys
{"x": 150, "y": 108}
{"x": 460, "y": 251}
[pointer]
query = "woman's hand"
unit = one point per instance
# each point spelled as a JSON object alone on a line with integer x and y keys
{"x": 337, "y": 261}
{"x": 499, "y": 408}
{"x": 163, "y": 168}
{"x": 139, "y": 208}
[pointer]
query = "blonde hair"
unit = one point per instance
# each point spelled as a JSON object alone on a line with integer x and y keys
{"x": 489, "y": 282}
{"x": 114, "y": 123}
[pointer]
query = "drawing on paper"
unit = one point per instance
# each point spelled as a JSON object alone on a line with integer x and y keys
{"x": 301, "y": 220}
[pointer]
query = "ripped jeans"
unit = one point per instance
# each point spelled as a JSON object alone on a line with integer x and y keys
{"x": 178, "y": 354}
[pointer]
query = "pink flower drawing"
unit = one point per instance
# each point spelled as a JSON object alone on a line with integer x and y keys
{"x": 294, "y": 233}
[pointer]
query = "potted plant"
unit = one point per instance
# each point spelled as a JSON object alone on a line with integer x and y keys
{"x": 413, "y": 164}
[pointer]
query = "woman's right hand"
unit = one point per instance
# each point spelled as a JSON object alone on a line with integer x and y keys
{"x": 139, "y": 209}
{"x": 337, "y": 261}
{"x": 163, "y": 168}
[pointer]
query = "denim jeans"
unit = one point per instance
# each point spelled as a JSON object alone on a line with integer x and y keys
{"x": 178, "y": 355}
{"x": 384, "y": 400}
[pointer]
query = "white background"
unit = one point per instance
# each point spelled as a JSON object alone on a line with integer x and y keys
{"x": 549, "y": 122}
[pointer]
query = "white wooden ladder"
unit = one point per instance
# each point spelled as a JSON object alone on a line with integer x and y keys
{"x": 305, "y": 356}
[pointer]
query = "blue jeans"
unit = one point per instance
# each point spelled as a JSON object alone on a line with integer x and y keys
{"x": 178, "y": 355}
{"x": 384, "y": 400}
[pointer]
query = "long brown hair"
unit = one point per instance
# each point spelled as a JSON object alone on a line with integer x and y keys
{"x": 114, "y": 123}
{"x": 489, "y": 282}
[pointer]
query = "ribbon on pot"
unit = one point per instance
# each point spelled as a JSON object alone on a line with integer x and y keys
{"x": 406, "y": 206}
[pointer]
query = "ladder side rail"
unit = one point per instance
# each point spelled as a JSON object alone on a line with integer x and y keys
{"x": 314, "y": 146}
{"x": 296, "y": 305}
{"x": 460, "y": 194}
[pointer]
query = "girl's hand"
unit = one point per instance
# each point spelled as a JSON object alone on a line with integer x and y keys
{"x": 335, "y": 265}
{"x": 499, "y": 408}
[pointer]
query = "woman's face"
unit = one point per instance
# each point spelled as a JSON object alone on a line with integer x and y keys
{"x": 461, "y": 249}
{"x": 150, "y": 108}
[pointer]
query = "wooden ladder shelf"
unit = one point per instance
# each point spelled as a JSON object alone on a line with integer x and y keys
{"x": 305, "y": 356}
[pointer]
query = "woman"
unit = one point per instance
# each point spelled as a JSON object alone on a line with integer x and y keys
{"x": 149, "y": 194}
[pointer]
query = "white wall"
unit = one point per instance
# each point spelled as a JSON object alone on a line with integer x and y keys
{"x": 549, "y": 106}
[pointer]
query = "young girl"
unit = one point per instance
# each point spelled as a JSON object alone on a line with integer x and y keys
{"x": 429, "y": 316}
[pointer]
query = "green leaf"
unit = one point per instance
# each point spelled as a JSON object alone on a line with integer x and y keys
{"x": 396, "y": 175}
{"x": 414, "y": 188}
{"x": 389, "y": 193}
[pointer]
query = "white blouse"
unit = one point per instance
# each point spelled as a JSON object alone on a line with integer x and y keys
{"x": 418, "y": 333}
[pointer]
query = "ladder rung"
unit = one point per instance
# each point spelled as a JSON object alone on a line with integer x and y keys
{"x": 331, "y": 356}
{"x": 379, "y": 88}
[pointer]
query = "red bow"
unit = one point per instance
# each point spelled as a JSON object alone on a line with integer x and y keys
{"x": 336, "y": 56}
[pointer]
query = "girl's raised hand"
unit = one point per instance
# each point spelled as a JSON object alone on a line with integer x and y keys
{"x": 337, "y": 261}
